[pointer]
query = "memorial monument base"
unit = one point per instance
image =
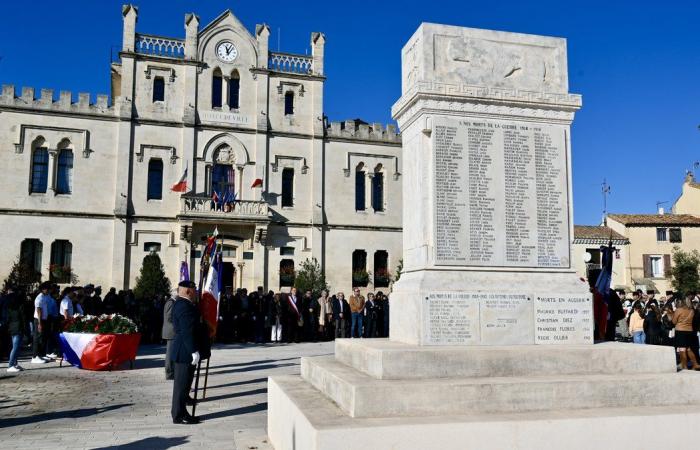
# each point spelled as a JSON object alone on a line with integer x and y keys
{"x": 477, "y": 307}
{"x": 379, "y": 394}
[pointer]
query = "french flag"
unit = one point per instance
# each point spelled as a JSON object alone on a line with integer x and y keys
{"x": 209, "y": 303}
{"x": 181, "y": 186}
{"x": 98, "y": 351}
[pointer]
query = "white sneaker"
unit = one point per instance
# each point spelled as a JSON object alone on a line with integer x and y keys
{"x": 13, "y": 369}
{"x": 52, "y": 355}
{"x": 19, "y": 367}
{"x": 47, "y": 358}
{"x": 38, "y": 360}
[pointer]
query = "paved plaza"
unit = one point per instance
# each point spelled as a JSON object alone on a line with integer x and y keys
{"x": 62, "y": 407}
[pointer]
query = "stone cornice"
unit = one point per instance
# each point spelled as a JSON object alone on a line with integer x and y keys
{"x": 442, "y": 97}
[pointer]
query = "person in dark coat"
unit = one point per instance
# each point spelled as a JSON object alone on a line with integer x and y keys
{"x": 185, "y": 351}
{"x": 310, "y": 316}
{"x": 294, "y": 322}
{"x": 371, "y": 317}
{"x": 168, "y": 333}
{"x": 341, "y": 313}
{"x": 14, "y": 318}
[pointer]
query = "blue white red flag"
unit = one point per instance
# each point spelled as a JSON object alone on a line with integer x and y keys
{"x": 94, "y": 351}
{"x": 602, "y": 284}
{"x": 209, "y": 303}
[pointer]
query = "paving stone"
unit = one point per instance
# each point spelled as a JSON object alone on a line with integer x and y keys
{"x": 63, "y": 407}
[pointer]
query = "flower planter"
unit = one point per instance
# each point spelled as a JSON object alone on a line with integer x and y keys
{"x": 92, "y": 351}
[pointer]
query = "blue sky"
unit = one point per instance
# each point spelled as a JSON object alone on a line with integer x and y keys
{"x": 637, "y": 65}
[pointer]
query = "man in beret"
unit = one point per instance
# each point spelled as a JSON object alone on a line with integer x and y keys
{"x": 185, "y": 350}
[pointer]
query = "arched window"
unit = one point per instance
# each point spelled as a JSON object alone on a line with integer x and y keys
{"x": 158, "y": 89}
{"x": 216, "y": 89}
{"x": 287, "y": 273}
{"x": 378, "y": 189}
{"x": 60, "y": 265}
{"x": 64, "y": 172}
{"x": 155, "y": 180}
{"x": 40, "y": 170}
{"x": 382, "y": 277}
{"x": 359, "y": 188}
{"x": 30, "y": 253}
{"x": 234, "y": 87}
{"x": 223, "y": 179}
{"x": 289, "y": 103}
{"x": 360, "y": 276}
{"x": 287, "y": 186}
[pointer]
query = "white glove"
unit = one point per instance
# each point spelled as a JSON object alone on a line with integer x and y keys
{"x": 195, "y": 358}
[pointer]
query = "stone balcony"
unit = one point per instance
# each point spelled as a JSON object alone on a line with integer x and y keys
{"x": 202, "y": 207}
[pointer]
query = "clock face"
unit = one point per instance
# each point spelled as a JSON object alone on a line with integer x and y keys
{"x": 226, "y": 51}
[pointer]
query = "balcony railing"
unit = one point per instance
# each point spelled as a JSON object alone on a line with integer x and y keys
{"x": 149, "y": 44}
{"x": 203, "y": 206}
{"x": 289, "y": 63}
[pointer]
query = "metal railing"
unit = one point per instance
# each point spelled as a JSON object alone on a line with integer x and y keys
{"x": 203, "y": 206}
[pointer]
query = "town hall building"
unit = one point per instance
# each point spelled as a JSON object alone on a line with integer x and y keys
{"x": 88, "y": 183}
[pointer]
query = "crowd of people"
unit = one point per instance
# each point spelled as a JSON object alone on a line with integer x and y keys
{"x": 672, "y": 320}
{"x": 294, "y": 317}
{"x": 35, "y": 319}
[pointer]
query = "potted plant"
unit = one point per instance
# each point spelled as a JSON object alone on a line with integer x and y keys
{"x": 360, "y": 278}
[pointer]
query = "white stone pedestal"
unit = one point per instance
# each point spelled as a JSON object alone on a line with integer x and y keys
{"x": 378, "y": 394}
{"x": 450, "y": 307}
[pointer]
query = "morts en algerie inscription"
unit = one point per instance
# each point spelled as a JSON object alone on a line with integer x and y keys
{"x": 500, "y": 193}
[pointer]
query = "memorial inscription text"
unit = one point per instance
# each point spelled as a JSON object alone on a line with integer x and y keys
{"x": 500, "y": 194}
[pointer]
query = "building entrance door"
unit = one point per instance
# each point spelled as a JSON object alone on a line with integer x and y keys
{"x": 228, "y": 278}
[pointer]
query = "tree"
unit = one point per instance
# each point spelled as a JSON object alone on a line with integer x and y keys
{"x": 310, "y": 277}
{"x": 685, "y": 277}
{"x": 22, "y": 277}
{"x": 399, "y": 269}
{"x": 151, "y": 281}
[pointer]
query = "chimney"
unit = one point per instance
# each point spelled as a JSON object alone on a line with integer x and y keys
{"x": 661, "y": 210}
{"x": 130, "y": 13}
{"x": 191, "y": 36}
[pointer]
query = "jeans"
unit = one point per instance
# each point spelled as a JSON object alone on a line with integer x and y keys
{"x": 16, "y": 342}
{"x": 356, "y": 327}
{"x": 638, "y": 337}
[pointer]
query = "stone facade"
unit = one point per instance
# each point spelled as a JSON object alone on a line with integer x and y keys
{"x": 217, "y": 101}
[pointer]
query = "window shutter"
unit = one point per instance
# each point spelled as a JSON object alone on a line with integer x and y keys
{"x": 667, "y": 265}
{"x": 647, "y": 266}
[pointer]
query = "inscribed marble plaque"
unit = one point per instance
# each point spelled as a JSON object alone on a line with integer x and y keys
{"x": 506, "y": 319}
{"x": 501, "y": 193}
{"x": 563, "y": 319}
{"x": 451, "y": 318}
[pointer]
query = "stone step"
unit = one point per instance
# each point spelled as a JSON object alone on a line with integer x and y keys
{"x": 386, "y": 360}
{"x": 300, "y": 417}
{"x": 360, "y": 395}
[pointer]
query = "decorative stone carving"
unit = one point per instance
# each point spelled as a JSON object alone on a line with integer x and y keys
{"x": 225, "y": 155}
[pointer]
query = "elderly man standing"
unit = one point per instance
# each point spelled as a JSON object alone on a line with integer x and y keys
{"x": 168, "y": 333}
{"x": 185, "y": 350}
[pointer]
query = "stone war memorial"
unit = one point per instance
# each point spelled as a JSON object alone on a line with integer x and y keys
{"x": 491, "y": 343}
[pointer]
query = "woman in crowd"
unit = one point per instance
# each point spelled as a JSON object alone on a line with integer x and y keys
{"x": 325, "y": 316}
{"x": 15, "y": 323}
{"x": 276, "y": 315}
{"x": 652, "y": 324}
{"x": 637, "y": 324}
{"x": 683, "y": 321}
